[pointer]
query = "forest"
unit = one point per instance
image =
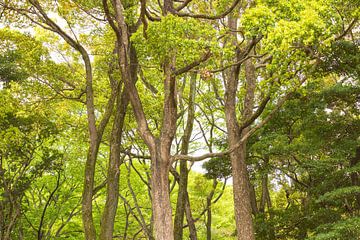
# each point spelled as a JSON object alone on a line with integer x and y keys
{"x": 180, "y": 119}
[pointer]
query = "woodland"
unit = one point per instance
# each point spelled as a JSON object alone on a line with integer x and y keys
{"x": 180, "y": 119}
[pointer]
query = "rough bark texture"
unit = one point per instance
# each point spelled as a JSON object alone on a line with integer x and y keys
{"x": 160, "y": 166}
{"x": 160, "y": 194}
{"x": 182, "y": 199}
{"x": 159, "y": 147}
{"x": 242, "y": 203}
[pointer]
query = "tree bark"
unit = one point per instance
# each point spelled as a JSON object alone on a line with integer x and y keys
{"x": 161, "y": 207}
{"x": 113, "y": 175}
{"x": 208, "y": 211}
{"x": 190, "y": 219}
{"x": 242, "y": 202}
{"x": 161, "y": 161}
{"x": 159, "y": 147}
{"x": 182, "y": 199}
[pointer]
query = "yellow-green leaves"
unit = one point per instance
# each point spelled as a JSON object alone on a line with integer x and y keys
{"x": 173, "y": 36}
{"x": 258, "y": 20}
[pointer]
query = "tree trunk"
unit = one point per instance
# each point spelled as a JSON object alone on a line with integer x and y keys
{"x": 159, "y": 147}
{"x": 244, "y": 224}
{"x": 113, "y": 175}
{"x": 182, "y": 199}
{"x": 190, "y": 219}
{"x": 242, "y": 202}
{"x": 208, "y": 205}
{"x": 162, "y": 212}
{"x": 208, "y": 220}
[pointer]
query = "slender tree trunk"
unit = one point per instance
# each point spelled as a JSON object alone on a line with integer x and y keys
{"x": 265, "y": 194}
{"x": 95, "y": 136}
{"x": 182, "y": 199}
{"x": 113, "y": 175}
{"x": 208, "y": 220}
{"x": 208, "y": 211}
{"x": 112, "y": 197}
{"x": 190, "y": 219}
{"x": 253, "y": 201}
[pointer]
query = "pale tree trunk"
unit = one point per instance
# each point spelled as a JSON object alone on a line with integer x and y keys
{"x": 182, "y": 199}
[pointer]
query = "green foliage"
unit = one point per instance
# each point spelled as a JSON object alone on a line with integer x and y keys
{"x": 338, "y": 195}
{"x": 344, "y": 229}
{"x": 343, "y": 58}
{"x": 218, "y": 168}
{"x": 174, "y": 36}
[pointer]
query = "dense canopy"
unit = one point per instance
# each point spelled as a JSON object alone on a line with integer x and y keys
{"x": 180, "y": 119}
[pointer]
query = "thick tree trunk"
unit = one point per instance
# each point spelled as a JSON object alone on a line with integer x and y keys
{"x": 159, "y": 147}
{"x": 162, "y": 211}
{"x": 242, "y": 202}
{"x": 243, "y": 217}
{"x": 160, "y": 159}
